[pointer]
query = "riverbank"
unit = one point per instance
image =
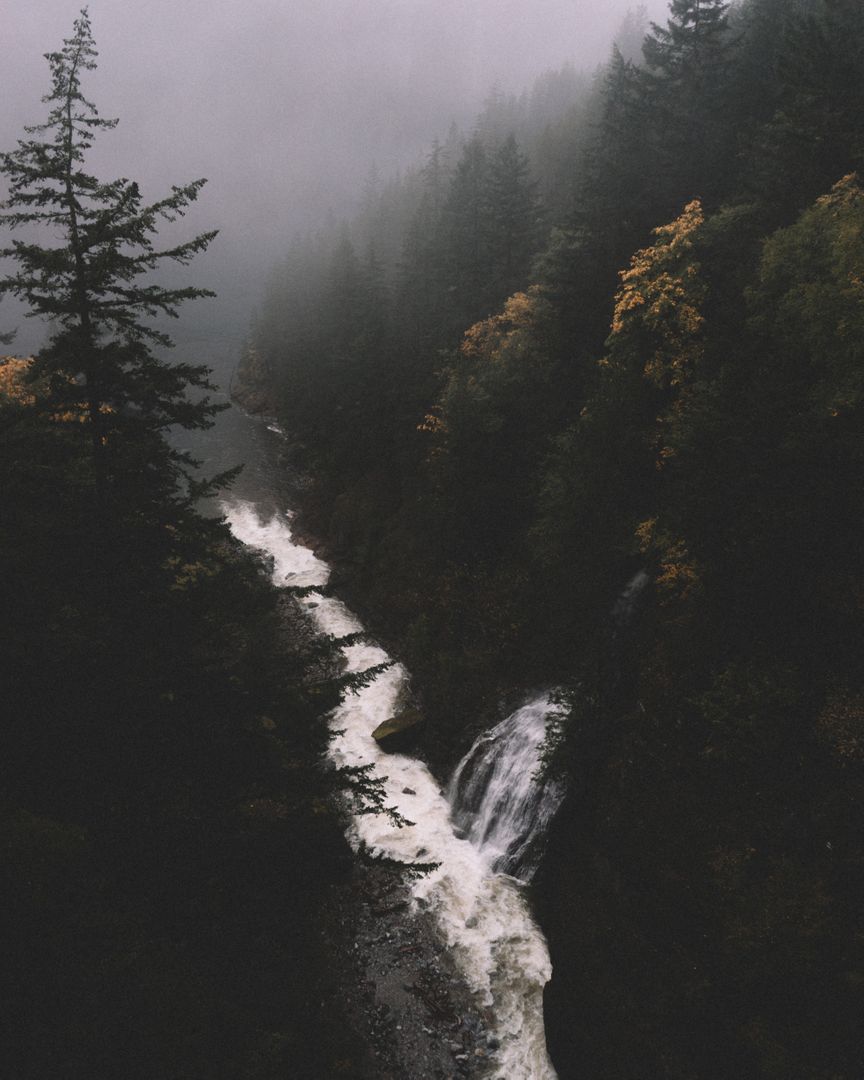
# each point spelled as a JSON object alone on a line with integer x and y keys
{"x": 410, "y": 1012}
{"x": 402, "y": 994}
{"x": 405, "y": 975}
{"x": 453, "y": 720}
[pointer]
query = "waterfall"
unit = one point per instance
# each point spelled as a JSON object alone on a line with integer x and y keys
{"x": 481, "y": 914}
{"x": 628, "y": 599}
{"x": 499, "y": 802}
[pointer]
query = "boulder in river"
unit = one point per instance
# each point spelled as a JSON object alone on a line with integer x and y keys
{"x": 398, "y": 735}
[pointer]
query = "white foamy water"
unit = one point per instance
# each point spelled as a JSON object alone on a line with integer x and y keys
{"x": 497, "y": 800}
{"x": 481, "y": 913}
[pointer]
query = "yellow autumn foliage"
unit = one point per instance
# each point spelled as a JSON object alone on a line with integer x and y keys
{"x": 662, "y": 293}
{"x": 433, "y": 424}
{"x": 679, "y": 577}
{"x": 16, "y": 390}
{"x": 506, "y": 342}
{"x": 78, "y": 414}
{"x": 490, "y": 338}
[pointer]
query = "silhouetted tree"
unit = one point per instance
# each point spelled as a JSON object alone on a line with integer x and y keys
{"x": 685, "y": 85}
{"x": 815, "y": 132}
{"x": 631, "y": 34}
{"x": 513, "y": 219}
{"x": 89, "y": 283}
{"x": 467, "y": 232}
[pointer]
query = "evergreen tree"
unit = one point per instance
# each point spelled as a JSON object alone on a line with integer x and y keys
{"x": 344, "y": 294}
{"x": 631, "y": 34}
{"x": 617, "y": 189}
{"x": 685, "y": 87}
{"x": 467, "y": 233}
{"x": 816, "y": 132}
{"x": 423, "y": 276}
{"x": 368, "y": 383}
{"x": 489, "y": 428}
{"x": 688, "y": 46}
{"x": 421, "y": 280}
{"x": 435, "y": 175}
{"x": 101, "y": 352}
{"x": 513, "y": 219}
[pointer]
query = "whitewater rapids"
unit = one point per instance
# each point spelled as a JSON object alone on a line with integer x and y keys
{"x": 481, "y": 912}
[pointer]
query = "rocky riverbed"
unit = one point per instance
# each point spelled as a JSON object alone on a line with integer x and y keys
{"x": 413, "y": 1014}
{"x": 399, "y": 998}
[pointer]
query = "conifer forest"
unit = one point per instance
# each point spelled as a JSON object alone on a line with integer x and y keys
{"x": 432, "y": 637}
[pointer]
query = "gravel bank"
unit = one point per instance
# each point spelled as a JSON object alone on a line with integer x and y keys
{"x": 414, "y": 1015}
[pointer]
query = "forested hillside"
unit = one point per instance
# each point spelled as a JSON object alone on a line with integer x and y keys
{"x": 619, "y": 328}
{"x": 168, "y": 839}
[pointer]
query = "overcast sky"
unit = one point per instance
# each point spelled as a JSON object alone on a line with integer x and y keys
{"x": 285, "y": 104}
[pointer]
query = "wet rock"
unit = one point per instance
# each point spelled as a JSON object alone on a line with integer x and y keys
{"x": 399, "y": 734}
{"x": 413, "y": 1011}
{"x": 389, "y": 909}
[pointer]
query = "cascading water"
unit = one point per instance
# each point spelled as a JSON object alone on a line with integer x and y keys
{"x": 498, "y": 801}
{"x": 481, "y": 913}
{"x": 628, "y": 599}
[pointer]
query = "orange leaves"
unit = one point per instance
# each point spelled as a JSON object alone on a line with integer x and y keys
{"x": 433, "y": 422}
{"x": 679, "y": 577}
{"x": 14, "y": 389}
{"x": 493, "y": 339}
{"x": 501, "y": 361}
{"x": 661, "y": 298}
{"x": 79, "y": 413}
{"x": 845, "y": 194}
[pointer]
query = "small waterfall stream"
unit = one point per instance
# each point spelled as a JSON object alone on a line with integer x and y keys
{"x": 498, "y": 802}
{"x": 499, "y": 813}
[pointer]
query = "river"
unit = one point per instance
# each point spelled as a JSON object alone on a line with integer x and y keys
{"x": 483, "y": 832}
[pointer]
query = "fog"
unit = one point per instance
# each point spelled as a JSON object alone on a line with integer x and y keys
{"x": 285, "y": 105}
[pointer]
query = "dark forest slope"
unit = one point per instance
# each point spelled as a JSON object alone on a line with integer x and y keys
{"x": 167, "y": 844}
{"x": 515, "y": 413}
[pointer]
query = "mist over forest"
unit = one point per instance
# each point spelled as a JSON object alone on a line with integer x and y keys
{"x": 286, "y": 108}
{"x": 445, "y": 663}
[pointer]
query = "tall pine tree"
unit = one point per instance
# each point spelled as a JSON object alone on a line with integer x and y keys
{"x": 466, "y": 221}
{"x": 685, "y": 86}
{"x": 100, "y": 358}
{"x": 514, "y": 219}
